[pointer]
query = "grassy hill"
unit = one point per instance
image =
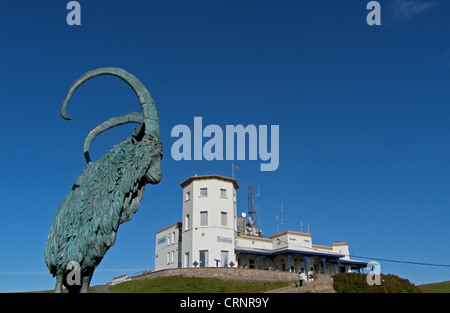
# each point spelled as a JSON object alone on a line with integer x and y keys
{"x": 343, "y": 283}
{"x": 357, "y": 283}
{"x": 179, "y": 284}
{"x": 443, "y": 287}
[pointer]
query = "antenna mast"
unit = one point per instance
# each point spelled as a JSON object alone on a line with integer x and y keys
{"x": 252, "y": 218}
{"x": 301, "y": 227}
{"x": 251, "y": 206}
{"x": 280, "y": 221}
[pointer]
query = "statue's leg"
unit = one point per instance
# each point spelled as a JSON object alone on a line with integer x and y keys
{"x": 59, "y": 282}
{"x": 85, "y": 283}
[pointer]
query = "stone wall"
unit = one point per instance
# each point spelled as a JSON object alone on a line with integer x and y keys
{"x": 225, "y": 273}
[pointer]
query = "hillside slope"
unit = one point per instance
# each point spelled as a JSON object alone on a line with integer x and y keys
{"x": 442, "y": 287}
{"x": 357, "y": 283}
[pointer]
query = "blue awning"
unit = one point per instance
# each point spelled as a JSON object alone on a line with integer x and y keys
{"x": 352, "y": 262}
{"x": 289, "y": 251}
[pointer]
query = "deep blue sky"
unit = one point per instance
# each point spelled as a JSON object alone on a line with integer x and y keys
{"x": 363, "y": 111}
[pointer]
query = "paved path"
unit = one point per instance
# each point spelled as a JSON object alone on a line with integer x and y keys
{"x": 323, "y": 284}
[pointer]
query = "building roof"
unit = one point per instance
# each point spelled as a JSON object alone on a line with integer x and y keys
{"x": 291, "y": 232}
{"x": 253, "y": 238}
{"x": 177, "y": 224}
{"x": 339, "y": 244}
{"x": 207, "y": 177}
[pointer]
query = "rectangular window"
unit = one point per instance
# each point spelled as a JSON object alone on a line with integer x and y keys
{"x": 224, "y": 258}
{"x": 172, "y": 254}
{"x": 188, "y": 196}
{"x": 173, "y": 237}
{"x": 223, "y": 218}
{"x": 204, "y": 218}
{"x": 168, "y": 258}
{"x": 203, "y": 258}
{"x": 187, "y": 222}
{"x": 186, "y": 260}
{"x": 223, "y": 193}
{"x": 203, "y": 192}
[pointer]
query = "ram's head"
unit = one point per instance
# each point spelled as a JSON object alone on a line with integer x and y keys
{"x": 148, "y": 132}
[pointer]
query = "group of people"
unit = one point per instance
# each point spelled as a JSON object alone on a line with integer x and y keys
{"x": 302, "y": 276}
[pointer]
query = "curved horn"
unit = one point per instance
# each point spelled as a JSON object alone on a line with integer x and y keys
{"x": 150, "y": 115}
{"x": 133, "y": 117}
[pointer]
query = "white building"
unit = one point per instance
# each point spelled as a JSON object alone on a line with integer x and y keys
{"x": 119, "y": 279}
{"x": 168, "y": 247}
{"x": 211, "y": 235}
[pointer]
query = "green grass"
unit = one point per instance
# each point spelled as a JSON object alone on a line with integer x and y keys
{"x": 357, "y": 283}
{"x": 179, "y": 284}
{"x": 443, "y": 287}
{"x": 343, "y": 283}
{"x": 91, "y": 290}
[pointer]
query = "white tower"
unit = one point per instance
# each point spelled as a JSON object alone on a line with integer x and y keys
{"x": 209, "y": 221}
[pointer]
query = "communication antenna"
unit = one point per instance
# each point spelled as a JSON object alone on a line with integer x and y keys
{"x": 280, "y": 221}
{"x": 252, "y": 205}
{"x": 240, "y": 224}
{"x": 301, "y": 227}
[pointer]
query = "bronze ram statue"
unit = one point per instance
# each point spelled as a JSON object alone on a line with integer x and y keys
{"x": 107, "y": 192}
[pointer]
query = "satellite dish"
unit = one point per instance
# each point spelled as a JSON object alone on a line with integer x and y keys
{"x": 243, "y": 215}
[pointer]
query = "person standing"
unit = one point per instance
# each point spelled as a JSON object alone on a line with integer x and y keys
{"x": 311, "y": 275}
{"x": 301, "y": 278}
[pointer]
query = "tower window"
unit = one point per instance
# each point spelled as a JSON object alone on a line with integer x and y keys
{"x": 186, "y": 260}
{"x": 223, "y": 219}
{"x": 204, "y": 258}
{"x": 204, "y": 218}
{"x": 187, "y": 222}
{"x": 188, "y": 196}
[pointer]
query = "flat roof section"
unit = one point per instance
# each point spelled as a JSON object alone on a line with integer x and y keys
{"x": 167, "y": 227}
{"x": 207, "y": 177}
